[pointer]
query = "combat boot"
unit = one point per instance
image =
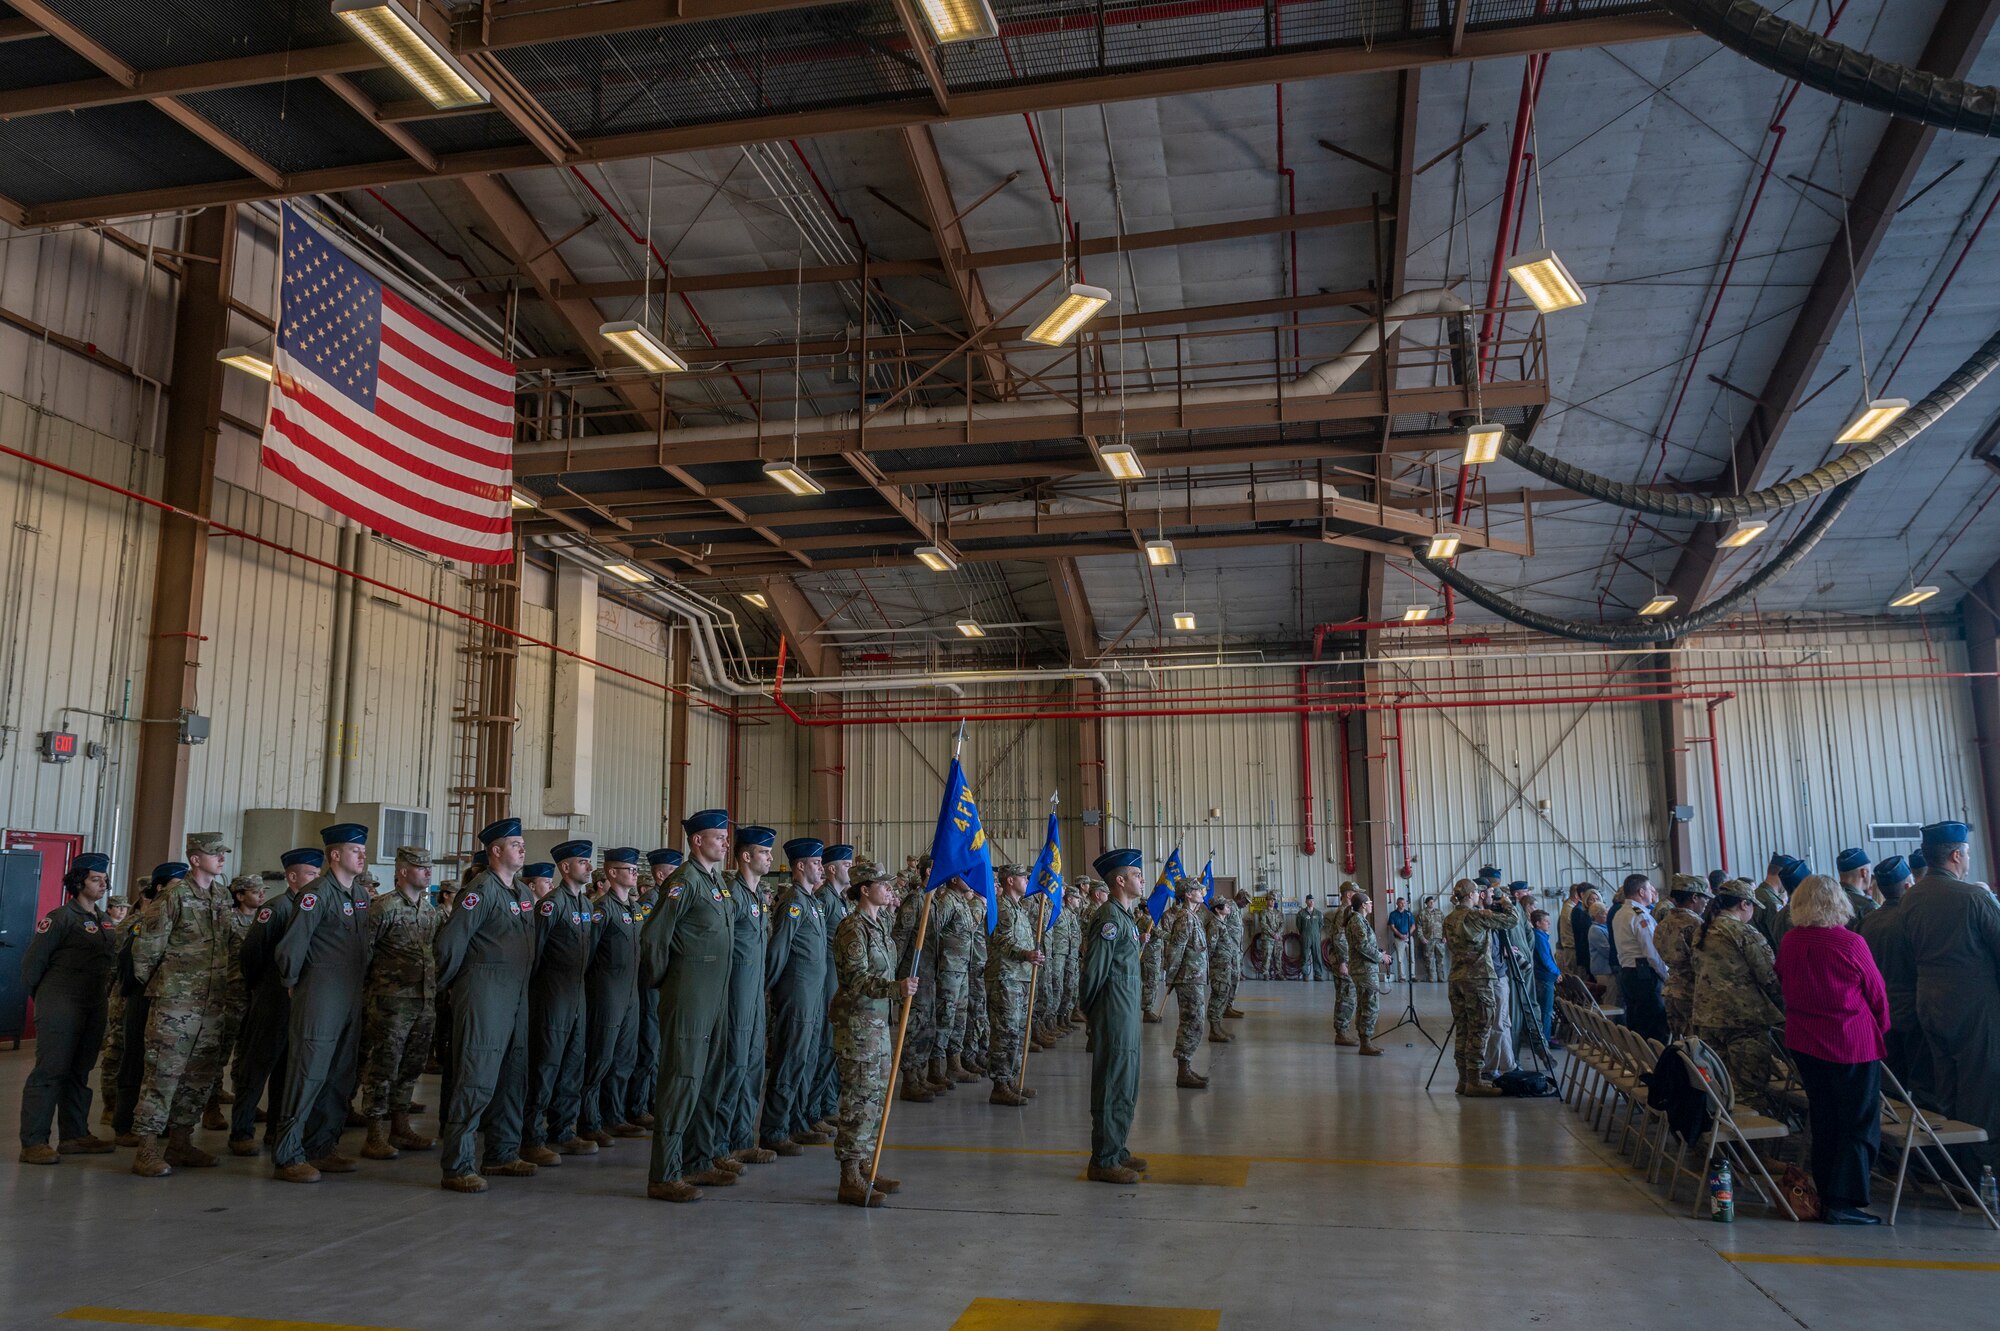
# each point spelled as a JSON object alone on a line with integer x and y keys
{"x": 1368, "y": 1050}
{"x": 854, "y": 1189}
{"x": 540, "y": 1155}
{"x": 1231, "y": 1011}
{"x": 813, "y": 1138}
{"x": 643, "y": 1120}
{"x": 1477, "y": 1088}
{"x": 730, "y": 1163}
{"x": 1189, "y": 1079}
{"x": 604, "y": 1140}
{"x": 627, "y": 1130}
{"x": 88, "y": 1144}
{"x": 150, "y": 1162}
{"x": 1151, "y": 1017}
{"x": 1004, "y": 1094}
{"x": 754, "y": 1155}
{"x": 826, "y": 1125}
{"x": 960, "y": 1073}
{"x": 916, "y": 1091}
{"x": 378, "y": 1146}
{"x": 245, "y": 1146}
{"x": 182, "y": 1151}
{"x": 355, "y": 1119}
{"x": 886, "y": 1185}
{"x": 575, "y": 1145}
{"x": 939, "y": 1079}
{"x": 402, "y": 1135}
{"x": 211, "y": 1117}
{"x": 1036, "y": 1044}
{"x": 333, "y": 1162}
{"x": 1216, "y": 1035}
{"x": 784, "y": 1146}
{"x": 1343, "y": 1040}
{"x": 518, "y": 1167}
{"x": 1077, "y": 1018}
{"x": 463, "y": 1183}
{"x": 675, "y": 1191}
{"x": 712, "y": 1178}
{"x": 129, "y": 1139}
{"x": 44, "y": 1154}
{"x": 299, "y": 1173}
{"x": 1110, "y": 1173}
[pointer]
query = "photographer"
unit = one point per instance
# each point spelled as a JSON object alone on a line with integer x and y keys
{"x": 1475, "y": 984}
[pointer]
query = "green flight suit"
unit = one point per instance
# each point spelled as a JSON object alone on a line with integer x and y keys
{"x": 646, "y": 1063}
{"x": 726, "y": 1122}
{"x": 485, "y": 953}
{"x": 611, "y": 1005}
{"x": 67, "y": 971}
{"x": 566, "y": 930}
{"x": 1311, "y": 961}
{"x": 1109, "y": 989}
{"x": 823, "y": 1104}
{"x": 323, "y": 959}
{"x": 684, "y": 955}
{"x": 264, "y": 1036}
{"x": 795, "y": 975}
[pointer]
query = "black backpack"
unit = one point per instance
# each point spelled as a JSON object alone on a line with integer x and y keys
{"x": 1524, "y": 1084}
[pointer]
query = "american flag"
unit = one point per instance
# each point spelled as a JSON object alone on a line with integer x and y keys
{"x": 382, "y": 413}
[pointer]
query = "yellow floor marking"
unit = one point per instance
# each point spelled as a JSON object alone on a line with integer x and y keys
{"x": 1204, "y": 1171}
{"x": 136, "y": 1317}
{"x": 1031, "y": 1315}
{"x": 1245, "y": 1160}
{"x": 1883, "y": 1263}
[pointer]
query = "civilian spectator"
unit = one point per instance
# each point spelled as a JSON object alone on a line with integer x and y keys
{"x": 1641, "y": 973}
{"x": 1603, "y": 959}
{"x": 1401, "y": 923}
{"x": 1546, "y": 972}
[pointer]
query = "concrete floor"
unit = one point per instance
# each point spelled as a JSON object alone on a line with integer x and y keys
{"x": 1321, "y": 1186}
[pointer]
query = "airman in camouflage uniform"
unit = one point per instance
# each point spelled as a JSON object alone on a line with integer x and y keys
{"x": 1225, "y": 956}
{"x": 1429, "y": 933}
{"x": 864, "y": 1016}
{"x": 952, "y": 924}
{"x": 1674, "y": 938}
{"x": 1011, "y": 957}
{"x": 1049, "y": 983}
{"x": 1267, "y": 940}
{"x": 1736, "y": 996}
{"x": 246, "y": 892}
{"x": 181, "y": 955}
{"x": 921, "y": 1034}
{"x": 1151, "y": 941}
{"x": 1475, "y": 984}
{"x": 113, "y": 1056}
{"x": 823, "y": 1101}
{"x": 1364, "y": 966}
{"x": 398, "y": 1006}
{"x": 1184, "y": 954}
{"x": 1343, "y": 973}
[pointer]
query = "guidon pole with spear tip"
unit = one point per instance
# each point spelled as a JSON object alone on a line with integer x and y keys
{"x": 1034, "y": 976}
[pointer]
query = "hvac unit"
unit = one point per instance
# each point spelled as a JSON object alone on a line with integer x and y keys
{"x": 269, "y": 833}
{"x": 389, "y": 826}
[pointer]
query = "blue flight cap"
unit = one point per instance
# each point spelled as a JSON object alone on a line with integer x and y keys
{"x": 541, "y": 870}
{"x": 344, "y": 834}
{"x": 479, "y": 859}
{"x": 168, "y": 872}
{"x": 705, "y": 821}
{"x": 1717, "y": 877}
{"x": 804, "y": 848}
{"x": 1892, "y": 871}
{"x": 835, "y": 854}
{"x": 671, "y": 858}
{"x": 1490, "y": 873}
{"x": 1918, "y": 862}
{"x": 1111, "y": 861}
{"x": 505, "y": 827}
{"x": 1851, "y": 859}
{"x": 753, "y": 835}
{"x": 570, "y": 850}
{"x": 1519, "y": 885}
{"x": 91, "y": 862}
{"x": 622, "y": 855}
{"x": 1946, "y": 834}
{"x": 1778, "y": 861}
{"x": 1794, "y": 872}
{"x": 291, "y": 859}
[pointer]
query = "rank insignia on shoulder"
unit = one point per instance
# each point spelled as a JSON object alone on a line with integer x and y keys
{"x": 793, "y": 910}
{"x": 42, "y": 925}
{"x": 468, "y": 901}
{"x": 548, "y": 908}
{"x": 308, "y": 901}
{"x": 1109, "y": 930}
{"x": 674, "y": 892}
{"x": 264, "y": 915}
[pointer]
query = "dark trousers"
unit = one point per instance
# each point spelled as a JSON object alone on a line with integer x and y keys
{"x": 1645, "y": 1010}
{"x": 260, "y": 1063}
{"x": 1844, "y": 1109}
{"x": 131, "y": 1064}
{"x": 69, "y": 1028}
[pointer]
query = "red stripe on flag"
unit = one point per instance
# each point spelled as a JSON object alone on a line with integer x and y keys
{"x": 395, "y": 419}
{"x": 488, "y": 426}
{"x": 423, "y": 431}
{"x": 464, "y": 346}
{"x": 428, "y": 541}
{"x": 383, "y": 487}
{"x": 416, "y": 353}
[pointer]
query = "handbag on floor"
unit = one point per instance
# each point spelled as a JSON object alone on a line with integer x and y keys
{"x": 1800, "y": 1191}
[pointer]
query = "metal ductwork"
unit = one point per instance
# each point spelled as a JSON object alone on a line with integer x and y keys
{"x": 713, "y": 631}
{"x": 1322, "y": 379}
{"x": 1797, "y": 52}
{"x": 1849, "y": 466}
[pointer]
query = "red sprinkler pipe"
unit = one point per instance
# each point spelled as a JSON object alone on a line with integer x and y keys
{"x": 1346, "y": 793}
{"x": 1450, "y": 617}
{"x": 1715, "y": 767}
{"x": 1402, "y": 794}
{"x": 1307, "y": 844}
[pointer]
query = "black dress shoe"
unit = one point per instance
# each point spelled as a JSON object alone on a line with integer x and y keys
{"x": 1850, "y": 1215}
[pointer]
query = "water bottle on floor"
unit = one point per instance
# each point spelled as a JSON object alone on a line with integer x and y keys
{"x": 1989, "y": 1191}
{"x": 1722, "y": 1195}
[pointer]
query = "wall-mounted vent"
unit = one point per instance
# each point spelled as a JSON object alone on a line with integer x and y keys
{"x": 1895, "y": 831}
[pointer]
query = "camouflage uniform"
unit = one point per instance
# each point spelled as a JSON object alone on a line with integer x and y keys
{"x": 973, "y": 1047}
{"x": 1048, "y": 994}
{"x": 181, "y": 954}
{"x": 1152, "y": 938}
{"x": 952, "y": 928}
{"x": 1184, "y": 958}
{"x": 864, "y": 957}
{"x": 1475, "y": 984}
{"x": 398, "y": 1001}
{"x": 1364, "y": 966}
{"x": 1674, "y": 939}
{"x": 1068, "y": 998}
{"x": 1737, "y": 1002}
{"x": 1338, "y": 953}
{"x": 235, "y": 989}
{"x": 921, "y": 1034}
{"x": 1225, "y": 959}
{"x": 1007, "y": 972}
{"x": 1431, "y": 955}
{"x": 1268, "y": 934}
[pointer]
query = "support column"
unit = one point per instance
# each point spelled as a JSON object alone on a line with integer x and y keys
{"x": 1676, "y": 764}
{"x": 180, "y": 574}
{"x": 1089, "y": 772}
{"x": 1982, "y": 653}
{"x": 827, "y": 793}
{"x": 1378, "y": 818}
{"x": 573, "y": 740}
{"x": 678, "y": 671}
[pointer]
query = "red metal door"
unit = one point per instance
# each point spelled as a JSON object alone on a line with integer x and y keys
{"x": 58, "y": 849}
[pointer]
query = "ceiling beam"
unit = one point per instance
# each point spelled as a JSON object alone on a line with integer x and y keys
{"x": 1082, "y": 549}
{"x": 800, "y": 624}
{"x": 947, "y": 230}
{"x": 1217, "y": 72}
{"x": 924, "y": 54}
{"x": 1079, "y": 624}
{"x": 411, "y": 146}
{"x": 1955, "y": 42}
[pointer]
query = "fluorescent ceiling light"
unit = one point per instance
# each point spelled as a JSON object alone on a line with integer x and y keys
{"x": 1160, "y": 552}
{"x": 522, "y": 499}
{"x": 936, "y": 558}
{"x": 970, "y": 628}
{"x": 410, "y": 50}
{"x": 627, "y": 572}
{"x": 1416, "y": 614}
{"x": 1914, "y": 596}
{"x": 246, "y": 360}
{"x": 1742, "y": 534}
{"x": 960, "y": 20}
{"x": 1444, "y": 545}
{"x": 638, "y": 341}
{"x": 1070, "y": 313}
{"x": 758, "y": 599}
{"x": 788, "y": 475}
{"x": 1184, "y": 621}
{"x": 1543, "y": 280}
{"x": 1876, "y": 417}
{"x": 1122, "y": 462}
{"x": 1660, "y": 604}
{"x": 1482, "y": 444}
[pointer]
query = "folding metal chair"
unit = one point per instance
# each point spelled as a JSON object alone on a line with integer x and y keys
{"x": 1917, "y": 1133}
{"x": 1734, "y": 1128}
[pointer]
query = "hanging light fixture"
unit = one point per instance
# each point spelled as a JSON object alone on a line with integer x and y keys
{"x": 1544, "y": 280}
{"x": 1416, "y": 614}
{"x": 247, "y": 359}
{"x": 758, "y": 599}
{"x": 1874, "y": 418}
{"x": 1076, "y": 308}
{"x": 1184, "y": 621}
{"x": 970, "y": 628}
{"x": 1121, "y": 462}
{"x": 520, "y": 498}
{"x": 960, "y": 20}
{"x": 789, "y": 475}
{"x": 1444, "y": 545}
{"x": 1912, "y": 597}
{"x": 1660, "y": 604}
{"x": 642, "y": 345}
{"x": 1161, "y": 552}
{"x": 1482, "y": 444}
{"x": 627, "y": 572}
{"x": 1743, "y": 533}
{"x": 936, "y": 558}
{"x": 409, "y": 49}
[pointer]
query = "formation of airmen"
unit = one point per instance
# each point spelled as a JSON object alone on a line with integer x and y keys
{"x": 572, "y": 1004}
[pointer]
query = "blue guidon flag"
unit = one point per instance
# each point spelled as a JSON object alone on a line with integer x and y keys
{"x": 958, "y": 847}
{"x": 1048, "y": 875}
{"x": 381, "y": 412}
{"x": 1171, "y": 877}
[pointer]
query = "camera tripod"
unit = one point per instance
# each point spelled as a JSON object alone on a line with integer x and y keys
{"x": 1409, "y": 1014}
{"x": 1534, "y": 1042}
